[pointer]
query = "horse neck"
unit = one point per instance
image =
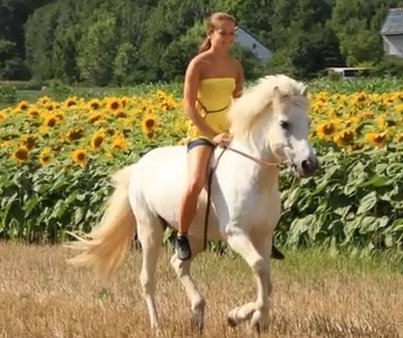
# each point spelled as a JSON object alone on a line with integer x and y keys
{"x": 256, "y": 142}
{"x": 256, "y": 145}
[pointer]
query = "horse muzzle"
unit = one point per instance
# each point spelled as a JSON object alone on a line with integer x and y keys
{"x": 307, "y": 167}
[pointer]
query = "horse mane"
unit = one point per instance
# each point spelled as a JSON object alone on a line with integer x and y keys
{"x": 246, "y": 110}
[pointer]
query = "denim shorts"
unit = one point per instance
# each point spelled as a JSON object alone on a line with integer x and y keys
{"x": 199, "y": 142}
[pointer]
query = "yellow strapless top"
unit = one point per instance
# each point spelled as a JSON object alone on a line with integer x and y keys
{"x": 214, "y": 98}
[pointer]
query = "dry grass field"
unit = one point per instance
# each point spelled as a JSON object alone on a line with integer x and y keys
{"x": 315, "y": 295}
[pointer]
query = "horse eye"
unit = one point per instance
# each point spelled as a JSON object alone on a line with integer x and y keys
{"x": 285, "y": 125}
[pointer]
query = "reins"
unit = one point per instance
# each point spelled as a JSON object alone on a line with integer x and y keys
{"x": 255, "y": 159}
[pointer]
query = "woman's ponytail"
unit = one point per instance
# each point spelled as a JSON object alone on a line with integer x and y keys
{"x": 205, "y": 45}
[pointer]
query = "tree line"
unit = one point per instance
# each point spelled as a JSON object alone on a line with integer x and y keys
{"x": 123, "y": 42}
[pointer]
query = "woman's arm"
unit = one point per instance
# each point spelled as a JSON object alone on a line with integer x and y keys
{"x": 192, "y": 80}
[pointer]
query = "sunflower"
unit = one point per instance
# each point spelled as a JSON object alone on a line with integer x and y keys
{"x": 59, "y": 115}
{"x": 345, "y": 137}
{"x": 50, "y": 121}
{"x": 361, "y": 97}
{"x": 168, "y": 104}
{"x": 23, "y": 105}
{"x": 376, "y": 139}
{"x": 44, "y": 100}
{"x": 97, "y": 139}
{"x": 45, "y": 156}
{"x": 29, "y": 141}
{"x": 21, "y": 155}
{"x": 399, "y": 138}
{"x": 2, "y": 116}
{"x": 74, "y": 134}
{"x": 79, "y": 156}
{"x": 110, "y": 131}
{"x": 6, "y": 144}
{"x": 113, "y": 104}
{"x": 124, "y": 101}
{"x": 71, "y": 101}
{"x": 325, "y": 131}
{"x": 399, "y": 107}
{"x": 366, "y": 115}
{"x": 119, "y": 142}
{"x": 149, "y": 123}
{"x": 95, "y": 117}
{"x": 383, "y": 122}
{"x": 120, "y": 113}
{"x": 94, "y": 104}
{"x": 150, "y": 134}
{"x": 33, "y": 112}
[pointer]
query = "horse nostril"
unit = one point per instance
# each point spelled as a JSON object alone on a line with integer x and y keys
{"x": 306, "y": 165}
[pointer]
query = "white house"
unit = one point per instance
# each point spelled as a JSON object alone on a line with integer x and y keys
{"x": 392, "y": 33}
{"x": 246, "y": 40}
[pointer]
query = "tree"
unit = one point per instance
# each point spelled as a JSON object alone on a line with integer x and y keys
{"x": 96, "y": 49}
{"x": 360, "y": 21}
{"x": 39, "y": 37}
{"x": 13, "y": 17}
{"x": 9, "y": 61}
{"x": 124, "y": 68}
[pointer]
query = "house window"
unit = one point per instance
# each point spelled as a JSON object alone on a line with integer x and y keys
{"x": 254, "y": 46}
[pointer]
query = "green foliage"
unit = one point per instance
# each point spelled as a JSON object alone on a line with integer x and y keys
{"x": 357, "y": 24}
{"x": 96, "y": 50}
{"x": 59, "y": 90}
{"x": 389, "y": 66}
{"x": 9, "y": 62}
{"x": 38, "y": 204}
{"x": 105, "y": 42}
{"x": 124, "y": 66}
{"x": 356, "y": 201}
{"x": 382, "y": 84}
{"x": 8, "y": 95}
{"x": 39, "y": 37}
{"x": 251, "y": 65}
{"x": 176, "y": 57}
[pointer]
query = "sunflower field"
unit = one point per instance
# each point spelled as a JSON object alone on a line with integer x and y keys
{"x": 56, "y": 157}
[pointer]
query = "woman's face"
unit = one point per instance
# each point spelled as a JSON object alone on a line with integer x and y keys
{"x": 223, "y": 35}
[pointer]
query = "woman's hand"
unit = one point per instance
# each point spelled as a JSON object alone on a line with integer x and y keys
{"x": 222, "y": 140}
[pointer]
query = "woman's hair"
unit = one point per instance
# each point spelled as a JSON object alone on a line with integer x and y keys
{"x": 211, "y": 25}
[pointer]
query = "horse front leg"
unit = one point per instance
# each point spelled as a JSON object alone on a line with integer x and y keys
{"x": 256, "y": 253}
{"x": 182, "y": 269}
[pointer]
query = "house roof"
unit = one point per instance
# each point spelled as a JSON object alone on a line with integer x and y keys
{"x": 247, "y": 40}
{"x": 244, "y": 33}
{"x": 393, "y": 24}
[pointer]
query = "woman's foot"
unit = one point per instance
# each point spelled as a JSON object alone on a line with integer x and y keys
{"x": 182, "y": 247}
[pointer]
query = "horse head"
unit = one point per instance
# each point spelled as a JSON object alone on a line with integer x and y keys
{"x": 272, "y": 116}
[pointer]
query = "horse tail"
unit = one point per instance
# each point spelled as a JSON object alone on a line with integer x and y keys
{"x": 107, "y": 244}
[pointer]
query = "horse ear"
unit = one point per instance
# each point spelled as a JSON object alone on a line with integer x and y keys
{"x": 304, "y": 91}
{"x": 276, "y": 92}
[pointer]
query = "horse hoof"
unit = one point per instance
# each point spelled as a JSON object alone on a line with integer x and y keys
{"x": 231, "y": 322}
{"x": 259, "y": 324}
{"x": 261, "y": 328}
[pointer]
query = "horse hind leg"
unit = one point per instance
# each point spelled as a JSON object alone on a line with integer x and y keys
{"x": 150, "y": 234}
{"x": 182, "y": 269}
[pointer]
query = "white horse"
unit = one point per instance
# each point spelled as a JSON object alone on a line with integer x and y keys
{"x": 270, "y": 125}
